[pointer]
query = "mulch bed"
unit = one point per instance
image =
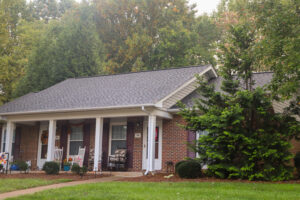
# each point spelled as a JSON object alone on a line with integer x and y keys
{"x": 70, "y": 176}
{"x": 160, "y": 178}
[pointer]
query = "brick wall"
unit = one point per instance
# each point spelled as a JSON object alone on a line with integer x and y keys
{"x": 29, "y": 144}
{"x": 296, "y": 146}
{"x": 174, "y": 142}
{"x": 137, "y": 144}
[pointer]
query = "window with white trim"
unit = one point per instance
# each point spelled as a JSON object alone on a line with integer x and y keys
{"x": 198, "y": 135}
{"x": 76, "y": 140}
{"x": 3, "y": 140}
{"x": 118, "y": 138}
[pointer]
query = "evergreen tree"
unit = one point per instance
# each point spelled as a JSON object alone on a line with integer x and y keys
{"x": 246, "y": 138}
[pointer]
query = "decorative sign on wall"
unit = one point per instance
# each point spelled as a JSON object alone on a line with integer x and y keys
{"x": 137, "y": 135}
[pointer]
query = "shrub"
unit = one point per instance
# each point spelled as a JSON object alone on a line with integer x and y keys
{"x": 297, "y": 162}
{"x": 1, "y": 167}
{"x": 23, "y": 166}
{"x": 76, "y": 169}
{"x": 189, "y": 169}
{"x": 177, "y": 165}
{"x": 51, "y": 168}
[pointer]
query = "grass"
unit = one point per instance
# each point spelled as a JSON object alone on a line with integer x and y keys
{"x": 172, "y": 191}
{"x": 11, "y": 184}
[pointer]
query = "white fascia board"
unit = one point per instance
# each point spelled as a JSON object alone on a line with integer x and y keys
{"x": 73, "y": 110}
{"x": 160, "y": 102}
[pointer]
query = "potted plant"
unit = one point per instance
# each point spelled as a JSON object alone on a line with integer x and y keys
{"x": 14, "y": 166}
{"x": 67, "y": 164}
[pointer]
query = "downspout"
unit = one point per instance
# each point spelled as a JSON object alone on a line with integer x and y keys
{"x": 147, "y": 167}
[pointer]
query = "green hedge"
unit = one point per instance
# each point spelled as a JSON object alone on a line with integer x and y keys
{"x": 51, "y": 168}
{"x": 189, "y": 169}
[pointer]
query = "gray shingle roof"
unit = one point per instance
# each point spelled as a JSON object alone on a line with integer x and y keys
{"x": 261, "y": 79}
{"x": 129, "y": 89}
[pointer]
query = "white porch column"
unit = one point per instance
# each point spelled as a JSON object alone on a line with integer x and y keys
{"x": 9, "y": 137}
{"x": 151, "y": 143}
{"x": 98, "y": 142}
{"x": 51, "y": 140}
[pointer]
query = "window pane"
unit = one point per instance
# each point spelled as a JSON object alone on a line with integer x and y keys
{"x": 74, "y": 147}
{"x": 119, "y": 132}
{"x": 4, "y": 136}
{"x": 118, "y": 144}
{"x": 4, "y": 140}
{"x": 156, "y": 142}
{"x": 44, "y": 151}
{"x": 76, "y": 133}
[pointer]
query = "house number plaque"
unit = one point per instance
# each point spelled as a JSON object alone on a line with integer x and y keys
{"x": 137, "y": 135}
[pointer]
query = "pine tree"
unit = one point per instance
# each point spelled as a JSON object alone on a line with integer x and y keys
{"x": 246, "y": 138}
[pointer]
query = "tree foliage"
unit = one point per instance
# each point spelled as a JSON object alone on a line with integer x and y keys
{"x": 69, "y": 48}
{"x": 45, "y": 42}
{"x": 246, "y": 138}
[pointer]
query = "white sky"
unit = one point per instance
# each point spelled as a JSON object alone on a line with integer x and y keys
{"x": 205, "y": 6}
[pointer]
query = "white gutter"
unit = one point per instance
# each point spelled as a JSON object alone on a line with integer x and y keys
{"x": 74, "y": 110}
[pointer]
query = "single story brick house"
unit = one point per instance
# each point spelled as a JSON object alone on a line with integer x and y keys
{"x": 133, "y": 111}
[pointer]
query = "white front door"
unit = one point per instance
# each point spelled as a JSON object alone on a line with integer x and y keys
{"x": 43, "y": 145}
{"x": 158, "y": 145}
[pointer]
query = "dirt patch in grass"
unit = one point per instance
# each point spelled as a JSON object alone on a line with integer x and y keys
{"x": 161, "y": 177}
{"x": 69, "y": 176}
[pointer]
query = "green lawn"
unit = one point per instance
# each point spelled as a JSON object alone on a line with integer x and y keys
{"x": 7, "y": 185}
{"x": 172, "y": 191}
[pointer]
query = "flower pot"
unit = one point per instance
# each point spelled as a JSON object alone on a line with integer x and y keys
{"x": 14, "y": 167}
{"x": 66, "y": 168}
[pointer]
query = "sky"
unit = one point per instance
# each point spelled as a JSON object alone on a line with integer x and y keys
{"x": 205, "y": 6}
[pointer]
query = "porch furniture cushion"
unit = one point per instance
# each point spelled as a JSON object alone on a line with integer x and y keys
{"x": 120, "y": 157}
{"x": 79, "y": 159}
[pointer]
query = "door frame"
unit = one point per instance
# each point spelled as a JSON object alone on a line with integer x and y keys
{"x": 41, "y": 162}
{"x": 158, "y": 161}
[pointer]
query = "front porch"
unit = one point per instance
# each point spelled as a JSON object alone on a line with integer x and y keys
{"x": 35, "y": 140}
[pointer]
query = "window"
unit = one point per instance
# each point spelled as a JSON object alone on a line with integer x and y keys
{"x": 156, "y": 142}
{"x": 76, "y": 139}
{"x": 118, "y": 138}
{"x": 13, "y": 143}
{"x": 3, "y": 140}
{"x": 198, "y": 135}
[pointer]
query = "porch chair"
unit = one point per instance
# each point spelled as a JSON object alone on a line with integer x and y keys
{"x": 79, "y": 159}
{"x": 58, "y": 155}
{"x": 118, "y": 160}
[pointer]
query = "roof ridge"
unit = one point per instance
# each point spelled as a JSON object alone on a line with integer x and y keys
{"x": 173, "y": 68}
